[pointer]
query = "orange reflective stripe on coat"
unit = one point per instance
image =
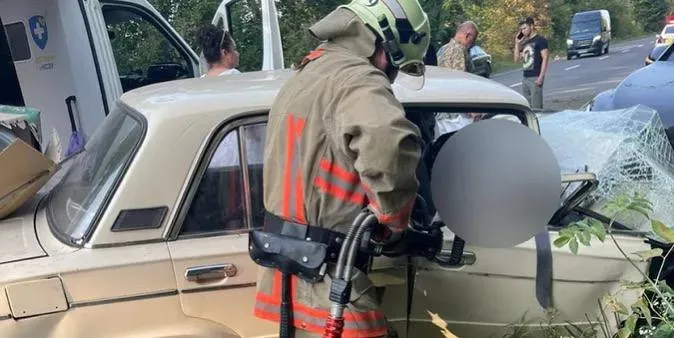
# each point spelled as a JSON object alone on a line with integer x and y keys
{"x": 340, "y": 183}
{"x": 346, "y": 186}
{"x": 397, "y": 221}
{"x": 313, "y": 55}
{"x": 356, "y": 324}
{"x": 293, "y": 191}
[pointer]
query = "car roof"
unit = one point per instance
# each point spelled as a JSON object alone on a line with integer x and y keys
{"x": 255, "y": 91}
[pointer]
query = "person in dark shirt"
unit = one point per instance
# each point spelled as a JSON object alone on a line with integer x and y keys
{"x": 532, "y": 50}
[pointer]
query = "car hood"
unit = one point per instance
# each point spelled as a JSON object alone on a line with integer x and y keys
{"x": 652, "y": 86}
{"x": 17, "y": 232}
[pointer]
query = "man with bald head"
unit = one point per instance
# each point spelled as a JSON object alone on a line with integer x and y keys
{"x": 455, "y": 54}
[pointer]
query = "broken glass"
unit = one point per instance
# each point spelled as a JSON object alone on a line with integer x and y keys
{"x": 627, "y": 149}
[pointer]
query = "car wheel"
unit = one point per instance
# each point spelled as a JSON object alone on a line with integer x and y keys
{"x": 568, "y": 56}
{"x": 487, "y": 74}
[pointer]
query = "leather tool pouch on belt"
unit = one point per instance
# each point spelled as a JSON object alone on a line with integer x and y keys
{"x": 289, "y": 255}
{"x": 288, "y": 247}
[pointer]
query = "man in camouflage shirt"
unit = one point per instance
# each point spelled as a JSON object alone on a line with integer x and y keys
{"x": 455, "y": 54}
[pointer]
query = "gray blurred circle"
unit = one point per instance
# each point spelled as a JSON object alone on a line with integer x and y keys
{"x": 496, "y": 183}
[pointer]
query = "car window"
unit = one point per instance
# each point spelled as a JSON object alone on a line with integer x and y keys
{"x": 476, "y": 51}
{"x": 666, "y": 54}
{"x": 436, "y": 122}
{"x": 91, "y": 178}
{"x": 590, "y": 26}
{"x": 220, "y": 203}
{"x": 18, "y": 41}
{"x": 143, "y": 53}
{"x": 669, "y": 30}
{"x": 657, "y": 51}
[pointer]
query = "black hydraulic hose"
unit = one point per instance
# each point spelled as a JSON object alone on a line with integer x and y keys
{"x": 340, "y": 289}
{"x": 355, "y": 245}
{"x": 342, "y": 253}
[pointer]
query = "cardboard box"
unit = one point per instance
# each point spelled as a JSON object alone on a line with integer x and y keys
{"x": 23, "y": 171}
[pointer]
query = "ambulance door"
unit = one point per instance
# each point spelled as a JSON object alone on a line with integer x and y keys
{"x": 134, "y": 46}
{"x": 254, "y": 25}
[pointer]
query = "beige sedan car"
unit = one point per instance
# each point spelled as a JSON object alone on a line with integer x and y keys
{"x": 145, "y": 233}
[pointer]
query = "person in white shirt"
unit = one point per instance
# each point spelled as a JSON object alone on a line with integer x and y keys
{"x": 219, "y": 50}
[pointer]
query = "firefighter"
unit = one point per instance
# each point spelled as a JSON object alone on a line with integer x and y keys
{"x": 338, "y": 142}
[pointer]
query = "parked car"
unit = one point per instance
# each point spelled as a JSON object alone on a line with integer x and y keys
{"x": 481, "y": 60}
{"x": 652, "y": 86}
{"x": 590, "y": 32}
{"x": 145, "y": 232}
{"x": 666, "y": 36}
{"x": 655, "y": 53}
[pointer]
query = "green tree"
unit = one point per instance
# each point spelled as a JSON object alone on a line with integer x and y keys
{"x": 497, "y": 20}
{"x": 651, "y": 13}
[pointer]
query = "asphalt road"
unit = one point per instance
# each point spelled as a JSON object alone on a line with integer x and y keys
{"x": 569, "y": 84}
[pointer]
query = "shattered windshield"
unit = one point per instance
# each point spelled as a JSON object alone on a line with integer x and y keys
{"x": 627, "y": 149}
{"x": 93, "y": 175}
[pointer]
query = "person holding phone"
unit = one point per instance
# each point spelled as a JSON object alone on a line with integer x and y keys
{"x": 532, "y": 50}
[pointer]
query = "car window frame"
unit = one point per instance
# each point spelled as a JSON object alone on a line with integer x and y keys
{"x": 204, "y": 159}
{"x": 664, "y": 30}
{"x": 114, "y": 189}
{"x": 666, "y": 54}
{"x": 653, "y": 55}
{"x": 9, "y": 41}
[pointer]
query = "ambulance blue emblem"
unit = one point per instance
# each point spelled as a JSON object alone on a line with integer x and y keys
{"x": 38, "y": 30}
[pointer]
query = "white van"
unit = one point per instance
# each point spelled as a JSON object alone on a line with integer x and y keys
{"x": 60, "y": 53}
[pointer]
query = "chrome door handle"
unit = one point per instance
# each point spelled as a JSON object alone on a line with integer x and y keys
{"x": 210, "y": 272}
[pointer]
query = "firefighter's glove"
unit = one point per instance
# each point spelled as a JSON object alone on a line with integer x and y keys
{"x": 421, "y": 216}
{"x": 383, "y": 241}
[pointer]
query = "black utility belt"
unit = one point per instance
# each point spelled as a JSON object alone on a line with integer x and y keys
{"x": 298, "y": 249}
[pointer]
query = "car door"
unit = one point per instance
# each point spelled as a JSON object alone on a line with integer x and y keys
{"x": 255, "y": 28}
{"x": 215, "y": 276}
{"x": 497, "y": 287}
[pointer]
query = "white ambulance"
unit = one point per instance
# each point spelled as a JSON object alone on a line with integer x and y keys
{"x": 61, "y": 55}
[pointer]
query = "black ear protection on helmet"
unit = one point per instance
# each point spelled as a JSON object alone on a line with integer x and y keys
{"x": 389, "y": 42}
{"x": 391, "y": 45}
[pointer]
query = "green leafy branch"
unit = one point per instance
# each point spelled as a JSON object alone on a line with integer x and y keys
{"x": 581, "y": 232}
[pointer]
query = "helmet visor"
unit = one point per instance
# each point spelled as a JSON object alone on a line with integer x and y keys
{"x": 415, "y": 69}
{"x": 412, "y": 82}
